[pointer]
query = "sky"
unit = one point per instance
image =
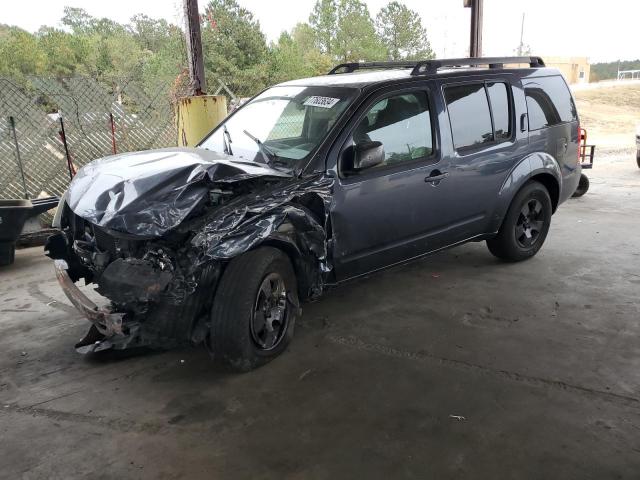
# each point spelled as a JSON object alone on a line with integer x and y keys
{"x": 602, "y": 31}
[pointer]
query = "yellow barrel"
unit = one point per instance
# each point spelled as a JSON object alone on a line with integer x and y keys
{"x": 197, "y": 116}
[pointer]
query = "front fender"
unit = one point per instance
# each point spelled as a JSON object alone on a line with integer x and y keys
{"x": 291, "y": 227}
{"x": 538, "y": 163}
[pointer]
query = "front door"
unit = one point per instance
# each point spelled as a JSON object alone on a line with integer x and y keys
{"x": 391, "y": 212}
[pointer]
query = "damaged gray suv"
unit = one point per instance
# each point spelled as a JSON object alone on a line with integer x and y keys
{"x": 312, "y": 183}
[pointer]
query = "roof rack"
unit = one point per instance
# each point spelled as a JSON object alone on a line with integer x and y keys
{"x": 424, "y": 67}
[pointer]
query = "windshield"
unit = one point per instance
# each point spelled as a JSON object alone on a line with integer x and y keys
{"x": 282, "y": 126}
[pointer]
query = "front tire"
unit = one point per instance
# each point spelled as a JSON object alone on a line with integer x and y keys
{"x": 254, "y": 310}
{"x": 638, "y": 158}
{"x": 525, "y": 226}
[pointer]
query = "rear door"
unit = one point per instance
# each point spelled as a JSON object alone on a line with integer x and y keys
{"x": 481, "y": 144}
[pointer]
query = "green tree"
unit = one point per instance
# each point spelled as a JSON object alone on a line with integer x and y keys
{"x": 402, "y": 33}
{"x": 151, "y": 34}
{"x": 20, "y": 54}
{"x": 609, "y": 70}
{"x": 344, "y": 30}
{"x": 235, "y": 49}
{"x": 324, "y": 23}
{"x": 77, "y": 20}
{"x": 304, "y": 36}
{"x": 124, "y": 56}
{"x": 102, "y": 47}
{"x": 295, "y": 56}
{"x": 60, "y": 51}
{"x": 356, "y": 37}
{"x": 144, "y": 49}
{"x": 168, "y": 57}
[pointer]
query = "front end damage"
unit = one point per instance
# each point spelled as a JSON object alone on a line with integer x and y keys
{"x": 155, "y": 240}
{"x": 105, "y": 323}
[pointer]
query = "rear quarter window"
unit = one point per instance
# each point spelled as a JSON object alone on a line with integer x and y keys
{"x": 549, "y": 102}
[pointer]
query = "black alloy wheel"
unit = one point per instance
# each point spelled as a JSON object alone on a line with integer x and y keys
{"x": 270, "y": 314}
{"x": 530, "y": 223}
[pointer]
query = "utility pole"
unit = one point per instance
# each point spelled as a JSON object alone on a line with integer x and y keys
{"x": 475, "y": 49}
{"x": 197, "y": 79}
{"x": 198, "y": 113}
{"x": 521, "y": 36}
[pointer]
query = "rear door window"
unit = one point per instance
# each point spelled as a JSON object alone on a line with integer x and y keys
{"x": 469, "y": 115}
{"x": 479, "y": 113}
{"x": 549, "y": 102}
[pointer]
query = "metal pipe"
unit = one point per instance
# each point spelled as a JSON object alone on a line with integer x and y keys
{"x": 12, "y": 123}
{"x": 475, "y": 48}
{"x": 520, "y": 47}
{"x": 194, "y": 48}
{"x": 113, "y": 133}
{"x": 63, "y": 137}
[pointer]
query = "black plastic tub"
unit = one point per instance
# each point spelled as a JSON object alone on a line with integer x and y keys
{"x": 13, "y": 215}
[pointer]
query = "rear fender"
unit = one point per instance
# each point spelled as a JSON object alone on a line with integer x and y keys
{"x": 537, "y": 164}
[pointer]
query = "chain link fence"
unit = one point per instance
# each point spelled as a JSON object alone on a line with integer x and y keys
{"x": 98, "y": 118}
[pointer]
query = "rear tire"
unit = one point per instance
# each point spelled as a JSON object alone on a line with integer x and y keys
{"x": 583, "y": 186}
{"x": 525, "y": 226}
{"x": 254, "y": 310}
{"x": 638, "y": 158}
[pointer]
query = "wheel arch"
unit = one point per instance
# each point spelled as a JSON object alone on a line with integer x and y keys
{"x": 286, "y": 238}
{"x": 301, "y": 264}
{"x": 552, "y": 186}
{"x": 540, "y": 167}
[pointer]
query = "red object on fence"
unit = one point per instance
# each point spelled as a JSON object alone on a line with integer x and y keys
{"x": 113, "y": 133}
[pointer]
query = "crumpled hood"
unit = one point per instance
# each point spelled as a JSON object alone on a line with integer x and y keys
{"x": 149, "y": 193}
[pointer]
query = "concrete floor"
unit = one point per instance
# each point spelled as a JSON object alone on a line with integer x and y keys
{"x": 539, "y": 362}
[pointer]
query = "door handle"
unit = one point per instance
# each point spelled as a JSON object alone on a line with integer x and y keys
{"x": 523, "y": 122}
{"x": 436, "y": 177}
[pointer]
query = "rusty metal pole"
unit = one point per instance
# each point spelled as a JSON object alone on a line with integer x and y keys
{"x": 12, "y": 124}
{"x": 475, "y": 45}
{"x": 112, "y": 123}
{"x": 63, "y": 137}
{"x": 194, "y": 48}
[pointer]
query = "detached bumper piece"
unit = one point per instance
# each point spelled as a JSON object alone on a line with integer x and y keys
{"x": 107, "y": 327}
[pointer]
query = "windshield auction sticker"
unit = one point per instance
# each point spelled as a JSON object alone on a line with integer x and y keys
{"x": 322, "y": 102}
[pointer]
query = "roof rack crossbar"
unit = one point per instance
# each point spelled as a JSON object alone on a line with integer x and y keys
{"x": 432, "y": 66}
{"x": 352, "y": 67}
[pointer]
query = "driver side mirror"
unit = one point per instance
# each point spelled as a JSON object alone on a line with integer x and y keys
{"x": 367, "y": 154}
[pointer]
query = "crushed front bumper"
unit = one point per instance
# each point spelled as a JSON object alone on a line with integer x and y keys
{"x": 107, "y": 329}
